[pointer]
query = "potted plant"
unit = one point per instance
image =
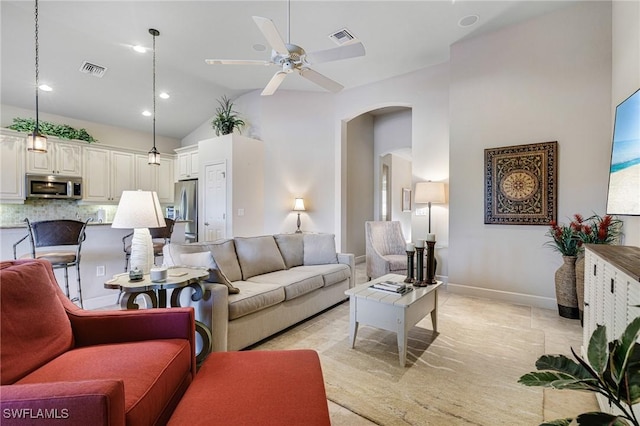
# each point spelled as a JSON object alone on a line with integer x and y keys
{"x": 226, "y": 119}
{"x": 566, "y": 241}
{"x": 613, "y": 370}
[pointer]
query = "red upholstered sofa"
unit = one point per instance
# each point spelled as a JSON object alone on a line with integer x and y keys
{"x": 60, "y": 364}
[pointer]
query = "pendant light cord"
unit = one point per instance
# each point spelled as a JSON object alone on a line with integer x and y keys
{"x": 35, "y": 132}
{"x": 154, "y": 91}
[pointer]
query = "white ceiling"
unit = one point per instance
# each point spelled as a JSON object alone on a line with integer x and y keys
{"x": 399, "y": 37}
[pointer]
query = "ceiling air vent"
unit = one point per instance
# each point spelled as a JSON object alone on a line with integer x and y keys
{"x": 342, "y": 36}
{"x": 93, "y": 69}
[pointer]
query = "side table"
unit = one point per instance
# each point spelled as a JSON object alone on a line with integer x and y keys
{"x": 178, "y": 279}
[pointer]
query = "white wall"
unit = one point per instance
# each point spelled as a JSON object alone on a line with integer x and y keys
{"x": 360, "y": 195}
{"x": 626, "y": 78}
{"x": 547, "y": 79}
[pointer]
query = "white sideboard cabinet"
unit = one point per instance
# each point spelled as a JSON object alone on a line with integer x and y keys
{"x": 611, "y": 293}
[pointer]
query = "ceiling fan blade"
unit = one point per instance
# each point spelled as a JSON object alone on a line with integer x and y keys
{"x": 270, "y": 32}
{"x": 337, "y": 53}
{"x": 237, "y": 62}
{"x": 274, "y": 83}
{"x": 320, "y": 80}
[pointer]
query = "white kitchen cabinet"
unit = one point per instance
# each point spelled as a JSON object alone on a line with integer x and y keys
{"x": 106, "y": 174}
{"x": 612, "y": 293}
{"x": 155, "y": 178}
{"x": 61, "y": 158}
{"x": 12, "y": 155}
{"x": 187, "y": 163}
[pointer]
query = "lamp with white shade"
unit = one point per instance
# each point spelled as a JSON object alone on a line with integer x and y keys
{"x": 298, "y": 206}
{"x": 429, "y": 193}
{"x": 139, "y": 210}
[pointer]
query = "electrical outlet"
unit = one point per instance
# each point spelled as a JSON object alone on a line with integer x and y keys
{"x": 100, "y": 271}
{"x": 421, "y": 212}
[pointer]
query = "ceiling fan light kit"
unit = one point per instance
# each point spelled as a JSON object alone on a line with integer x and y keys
{"x": 290, "y": 57}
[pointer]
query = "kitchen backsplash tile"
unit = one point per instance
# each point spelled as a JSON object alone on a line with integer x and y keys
{"x": 12, "y": 214}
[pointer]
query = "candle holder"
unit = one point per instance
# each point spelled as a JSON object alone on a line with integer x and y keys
{"x": 420, "y": 268}
{"x": 431, "y": 263}
{"x": 409, "y": 278}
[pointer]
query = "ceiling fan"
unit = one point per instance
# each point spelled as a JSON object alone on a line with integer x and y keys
{"x": 290, "y": 58}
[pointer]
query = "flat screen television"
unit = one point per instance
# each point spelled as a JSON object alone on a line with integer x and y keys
{"x": 623, "y": 197}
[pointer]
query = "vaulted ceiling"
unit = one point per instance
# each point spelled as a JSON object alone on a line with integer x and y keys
{"x": 399, "y": 37}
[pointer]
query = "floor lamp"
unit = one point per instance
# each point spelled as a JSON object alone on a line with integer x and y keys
{"x": 429, "y": 193}
{"x": 139, "y": 210}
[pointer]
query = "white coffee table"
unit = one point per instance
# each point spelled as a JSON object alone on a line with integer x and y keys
{"x": 391, "y": 312}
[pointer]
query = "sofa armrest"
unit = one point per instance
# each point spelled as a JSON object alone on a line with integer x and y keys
{"x": 349, "y": 259}
{"x": 377, "y": 265}
{"x": 213, "y": 310}
{"x": 91, "y": 402}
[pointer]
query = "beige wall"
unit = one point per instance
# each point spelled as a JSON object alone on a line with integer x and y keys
{"x": 547, "y": 79}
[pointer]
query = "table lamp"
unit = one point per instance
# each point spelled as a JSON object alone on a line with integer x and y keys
{"x": 298, "y": 206}
{"x": 139, "y": 210}
{"x": 429, "y": 193}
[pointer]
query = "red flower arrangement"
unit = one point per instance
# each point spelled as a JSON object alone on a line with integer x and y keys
{"x": 568, "y": 240}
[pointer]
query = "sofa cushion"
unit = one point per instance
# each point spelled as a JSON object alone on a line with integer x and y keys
{"x": 294, "y": 281}
{"x": 397, "y": 262}
{"x": 224, "y": 255}
{"x": 204, "y": 259}
{"x": 253, "y": 297}
{"x": 291, "y": 248}
{"x": 258, "y": 255}
{"x": 38, "y": 331}
{"x": 331, "y": 273}
{"x": 153, "y": 373}
{"x": 319, "y": 249}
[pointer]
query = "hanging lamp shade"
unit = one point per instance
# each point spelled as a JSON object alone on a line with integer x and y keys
{"x": 37, "y": 142}
{"x": 154, "y": 155}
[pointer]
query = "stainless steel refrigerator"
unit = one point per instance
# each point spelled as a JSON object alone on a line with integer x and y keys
{"x": 186, "y": 206}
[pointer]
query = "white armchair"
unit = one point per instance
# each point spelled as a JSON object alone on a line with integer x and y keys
{"x": 385, "y": 249}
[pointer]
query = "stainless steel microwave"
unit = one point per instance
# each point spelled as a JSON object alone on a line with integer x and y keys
{"x": 53, "y": 186}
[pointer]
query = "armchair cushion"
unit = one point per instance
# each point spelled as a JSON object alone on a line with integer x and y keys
{"x": 32, "y": 333}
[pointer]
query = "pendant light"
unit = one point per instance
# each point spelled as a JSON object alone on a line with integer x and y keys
{"x": 154, "y": 155}
{"x": 36, "y": 142}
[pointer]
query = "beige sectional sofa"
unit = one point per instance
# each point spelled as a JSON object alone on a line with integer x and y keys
{"x": 272, "y": 282}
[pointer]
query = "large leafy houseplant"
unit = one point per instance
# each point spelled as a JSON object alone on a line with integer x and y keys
{"x": 613, "y": 370}
{"x": 226, "y": 119}
{"x": 62, "y": 131}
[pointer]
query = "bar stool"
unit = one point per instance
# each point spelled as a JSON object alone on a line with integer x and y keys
{"x": 55, "y": 233}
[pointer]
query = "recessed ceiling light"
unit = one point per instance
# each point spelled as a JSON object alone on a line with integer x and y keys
{"x": 259, "y": 47}
{"x": 45, "y": 88}
{"x": 164, "y": 95}
{"x": 468, "y": 21}
{"x": 146, "y": 113}
{"x": 140, "y": 49}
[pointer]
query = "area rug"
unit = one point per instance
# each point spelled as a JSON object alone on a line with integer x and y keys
{"x": 466, "y": 374}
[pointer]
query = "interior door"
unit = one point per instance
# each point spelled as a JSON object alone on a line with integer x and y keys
{"x": 215, "y": 202}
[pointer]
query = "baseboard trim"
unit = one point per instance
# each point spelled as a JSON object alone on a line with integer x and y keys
{"x": 360, "y": 259}
{"x": 504, "y": 296}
